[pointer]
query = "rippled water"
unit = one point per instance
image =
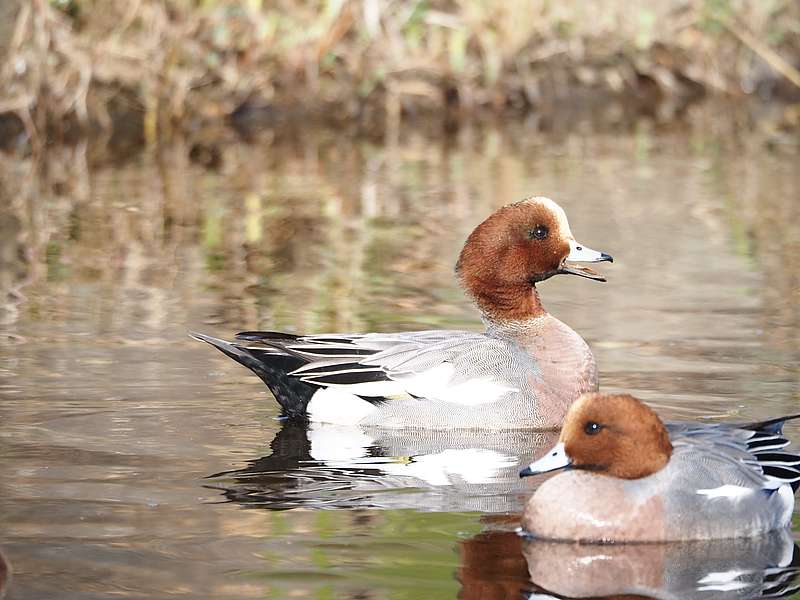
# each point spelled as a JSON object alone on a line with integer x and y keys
{"x": 138, "y": 463}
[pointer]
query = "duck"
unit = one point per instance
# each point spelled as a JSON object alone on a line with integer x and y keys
{"x": 626, "y": 476}
{"x": 522, "y": 372}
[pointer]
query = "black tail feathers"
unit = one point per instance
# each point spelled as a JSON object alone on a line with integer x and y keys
{"x": 292, "y": 394}
{"x": 774, "y": 426}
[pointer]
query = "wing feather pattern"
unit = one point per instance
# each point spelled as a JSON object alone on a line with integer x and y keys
{"x": 751, "y": 455}
{"x": 440, "y": 365}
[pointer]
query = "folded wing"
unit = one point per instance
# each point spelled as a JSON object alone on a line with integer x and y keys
{"x": 749, "y": 456}
{"x": 452, "y": 366}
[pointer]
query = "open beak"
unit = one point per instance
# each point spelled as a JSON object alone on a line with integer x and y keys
{"x": 580, "y": 253}
{"x": 554, "y": 460}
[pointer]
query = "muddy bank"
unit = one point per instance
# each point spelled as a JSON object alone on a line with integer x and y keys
{"x": 148, "y": 69}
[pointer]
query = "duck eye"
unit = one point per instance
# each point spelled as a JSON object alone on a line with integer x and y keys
{"x": 539, "y": 232}
{"x": 592, "y": 428}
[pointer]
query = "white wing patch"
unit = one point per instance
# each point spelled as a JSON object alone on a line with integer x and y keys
{"x": 432, "y": 384}
{"x": 436, "y": 384}
{"x": 732, "y": 492}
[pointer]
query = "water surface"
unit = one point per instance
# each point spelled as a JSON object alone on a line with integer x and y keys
{"x": 137, "y": 463}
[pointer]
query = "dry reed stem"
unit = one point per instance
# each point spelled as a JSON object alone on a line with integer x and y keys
{"x": 772, "y": 58}
{"x": 173, "y": 63}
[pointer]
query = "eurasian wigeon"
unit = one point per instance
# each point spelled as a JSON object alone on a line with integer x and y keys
{"x": 524, "y": 371}
{"x": 631, "y": 478}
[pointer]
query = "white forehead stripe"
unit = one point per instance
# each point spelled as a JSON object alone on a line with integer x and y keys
{"x": 558, "y": 212}
{"x": 730, "y": 491}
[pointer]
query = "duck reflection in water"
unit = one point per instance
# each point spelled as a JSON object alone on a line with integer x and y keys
{"x": 335, "y": 466}
{"x": 498, "y": 564}
{"x": 5, "y": 574}
{"x": 759, "y": 567}
{"x": 351, "y": 469}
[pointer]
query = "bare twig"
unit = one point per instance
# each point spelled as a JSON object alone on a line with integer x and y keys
{"x": 772, "y": 58}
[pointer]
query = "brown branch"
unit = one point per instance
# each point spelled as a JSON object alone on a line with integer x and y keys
{"x": 772, "y": 58}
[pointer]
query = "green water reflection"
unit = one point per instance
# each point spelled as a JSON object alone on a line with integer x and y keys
{"x": 112, "y": 418}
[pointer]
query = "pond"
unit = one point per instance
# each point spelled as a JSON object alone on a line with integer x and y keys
{"x": 138, "y": 463}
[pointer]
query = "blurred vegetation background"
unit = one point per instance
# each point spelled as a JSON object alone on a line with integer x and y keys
{"x": 222, "y": 165}
{"x": 153, "y": 67}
